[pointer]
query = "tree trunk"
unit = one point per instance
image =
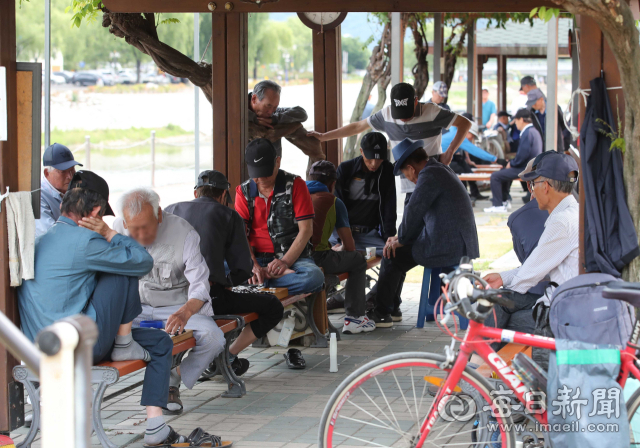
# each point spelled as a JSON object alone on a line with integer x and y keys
{"x": 138, "y": 68}
{"x": 615, "y": 19}
{"x": 452, "y": 51}
{"x": 350, "y": 151}
{"x": 255, "y": 69}
{"x": 421, "y": 69}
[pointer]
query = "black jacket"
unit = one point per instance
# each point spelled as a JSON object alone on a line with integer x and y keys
{"x": 387, "y": 187}
{"x": 560, "y": 140}
{"x": 222, "y": 238}
{"x": 610, "y": 239}
{"x": 438, "y": 220}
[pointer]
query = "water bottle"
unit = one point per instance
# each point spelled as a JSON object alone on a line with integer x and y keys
{"x": 333, "y": 353}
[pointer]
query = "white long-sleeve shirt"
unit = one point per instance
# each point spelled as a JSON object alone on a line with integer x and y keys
{"x": 556, "y": 256}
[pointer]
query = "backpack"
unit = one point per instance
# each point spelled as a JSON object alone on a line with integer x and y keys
{"x": 579, "y": 312}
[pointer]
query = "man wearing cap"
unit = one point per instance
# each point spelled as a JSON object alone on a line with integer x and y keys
{"x": 59, "y": 168}
{"x": 438, "y": 227}
{"x": 537, "y": 104}
{"x": 330, "y": 214}
{"x": 506, "y": 130}
{"x": 407, "y": 118}
{"x": 83, "y": 266}
{"x": 439, "y": 95}
{"x": 530, "y": 146}
{"x": 278, "y": 214}
{"x": 224, "y": 245}
{"x": 176, "y": 291}
{"x": 555, "y": 258}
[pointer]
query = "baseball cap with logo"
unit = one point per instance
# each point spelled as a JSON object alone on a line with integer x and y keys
{"x": 527, "y": 81}
{"x": 374, "y": 146}
{"x": 533, "y": 96}
{"x": 260, "y": 156}
{"x": 554, "y": 165}
{"x": 59, "y": 157}
{"x": 213, "y": 179}
{"x": 91, "y": 181}
{"x": 402, "y": 101}
{"x": 441, "y": 88}
{"x": 324, "y": 168}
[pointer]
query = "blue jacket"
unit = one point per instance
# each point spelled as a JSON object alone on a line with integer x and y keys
{"x": 530, "y": 146}
{"x": 466, "y": 146}
{"x": 67, "y": 259}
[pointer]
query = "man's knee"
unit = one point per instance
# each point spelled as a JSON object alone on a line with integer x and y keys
{"x": 313, "y": 279}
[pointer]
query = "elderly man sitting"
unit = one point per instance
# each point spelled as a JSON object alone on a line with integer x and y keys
{"x": 83, "y": 266}
{"x": 176, "y": 290}
{"x": 556, "y": 256}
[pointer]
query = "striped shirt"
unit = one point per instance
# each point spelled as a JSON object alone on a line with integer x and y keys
{"x": 556, "y": 256}
{"x": 427, "y": 124}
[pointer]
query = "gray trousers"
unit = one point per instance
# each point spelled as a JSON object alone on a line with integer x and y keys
{"x": 354, "y": 263}
{"x": 209, "y": 340}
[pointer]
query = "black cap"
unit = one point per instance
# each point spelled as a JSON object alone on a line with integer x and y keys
{"x": 523, "y": 113}
{"x": 260, "y": 156}
{"x": 402, "y": 100}
{"x": 468, "y": 116}
{"x": 213, "y": 179}
{"x": 59, "y": 157}
{"x": 503, "y": 113}
{"x": 374, "y": 146}
{"x": 324, "y": 168}
{"x": 527, "y": 81}
{"x": 554, "y": 165}
{"x": 91, "y": 181}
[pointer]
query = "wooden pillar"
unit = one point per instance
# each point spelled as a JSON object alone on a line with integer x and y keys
{"x": 596, "y": 59}
{"x": 471, "y": 67}
{"x": 8, "y": 178}
{"x": 480, "y": 60}
{"x": 327, "y": 88}
{"x": 230, "y": 99}
{"x": 397, "y": 49}
{"x": 502, "y": 83}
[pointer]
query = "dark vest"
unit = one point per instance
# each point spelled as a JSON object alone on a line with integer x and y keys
{"x": 281, "y": 222}
{"x": 324, "y": 221}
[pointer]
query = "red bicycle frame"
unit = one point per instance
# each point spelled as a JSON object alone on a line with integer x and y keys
{"x": 475, "y": 341}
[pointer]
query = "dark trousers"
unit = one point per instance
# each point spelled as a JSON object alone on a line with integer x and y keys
{"x": 267, "y": 306}
{"x": 500, "y": 181}
{"x": 354, "y": 263}
{"x": 392, "y": 274}
{"x": 519, "y": 318}
{"x": 116, "y": 301}
{"x": 460, "y": 166}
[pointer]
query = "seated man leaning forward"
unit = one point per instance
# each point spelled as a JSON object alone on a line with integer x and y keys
{"x": 278, "y": 213}
{"x": 330, "y": 214}
{"x": 176, "y": 291}
{"x": 438, "y": 227}
{"x": 555, "y": 258}
{"x": 223, "y": 241}
{"x": 83, "y": 266}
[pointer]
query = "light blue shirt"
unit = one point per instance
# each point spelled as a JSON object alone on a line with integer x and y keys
{"x": 67, "y": 259}
{"x": 50, "y": 200}
{"x": 488, "y": 108}
{"x": 466, "y": 146}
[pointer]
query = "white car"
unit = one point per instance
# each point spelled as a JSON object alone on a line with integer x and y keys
{"x": 55, "y": 79}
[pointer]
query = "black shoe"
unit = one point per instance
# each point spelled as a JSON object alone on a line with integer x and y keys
{"x": 335, "y": 305}
{"x": 526, "y": 198}
{"x": 480, "y": 197}
{"x": 385, "y": 321}
{"x": 240, "y": 366}
{"x": 396, "y": 315}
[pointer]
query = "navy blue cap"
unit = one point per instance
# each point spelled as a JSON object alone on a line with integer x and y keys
{"x": 554, "y": 165}
{"x": 403, "y": 150}
{"x": 59, "y": 157}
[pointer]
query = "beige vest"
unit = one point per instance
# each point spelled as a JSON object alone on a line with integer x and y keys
{"x": 166, "y": 284}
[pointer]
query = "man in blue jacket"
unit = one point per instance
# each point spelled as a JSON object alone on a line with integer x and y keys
{"x": 530, "y": 146}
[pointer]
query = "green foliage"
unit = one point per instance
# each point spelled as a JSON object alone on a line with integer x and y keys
{"x": 617, "y": 141}
{"x": 358, "y": 54}
{"x": 544, "y": 13}
{"x": 170, "y": 20}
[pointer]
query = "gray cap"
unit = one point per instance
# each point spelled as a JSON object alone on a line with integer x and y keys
{"x": 324, "y": 168}
{"x": 556, "y": 166}
{"x": 441, "y": 88}
{"x": 213, "y": 179}
{"x": 534, "y": 96}
{"x": 527, "y": 81}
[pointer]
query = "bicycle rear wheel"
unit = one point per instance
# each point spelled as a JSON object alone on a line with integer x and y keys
{"x": 385, "y": 402}
{"x": 633, "y": 404}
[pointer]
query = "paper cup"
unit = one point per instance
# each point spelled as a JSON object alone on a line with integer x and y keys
{"x": 371, "y": 253}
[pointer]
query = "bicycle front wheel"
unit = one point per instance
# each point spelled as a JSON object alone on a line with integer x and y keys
{"x": 385, "y": 402}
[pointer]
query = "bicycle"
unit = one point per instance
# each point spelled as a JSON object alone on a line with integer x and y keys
{"x": 381, "y": 403}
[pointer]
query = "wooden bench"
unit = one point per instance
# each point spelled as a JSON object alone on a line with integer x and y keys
{"x": 507, "y": 353}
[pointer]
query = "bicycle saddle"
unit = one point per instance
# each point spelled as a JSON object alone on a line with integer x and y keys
{"x": 626, "y": 291}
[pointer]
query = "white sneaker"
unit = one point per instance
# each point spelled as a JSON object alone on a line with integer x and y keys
{"x": 496, "y": 209}
{"x": 507, "y": 205}
{"x": 355, "y": 325}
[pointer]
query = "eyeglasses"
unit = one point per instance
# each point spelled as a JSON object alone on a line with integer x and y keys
{"x": 532, "y": 183}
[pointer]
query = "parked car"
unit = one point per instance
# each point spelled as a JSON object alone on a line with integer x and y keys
{"x": 154, "y": 78}
{"x": 88, "y": 79}
{"x": 110, "y": 78}
{"x": 127, "y": 77}
{"x": 55, "y": 79}
{"x": 68, "y": 76}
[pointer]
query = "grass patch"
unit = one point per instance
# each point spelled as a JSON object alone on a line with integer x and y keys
{"x": 139, "y": 88}
{"x": 77, "y": 136}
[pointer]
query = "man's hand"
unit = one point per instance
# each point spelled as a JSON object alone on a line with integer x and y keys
{"x": 98, "y": 226}
{"x": 472, "y": 164}
{"x": 391, "y": 246}
{"x": 266, "y": 122}
{"x": 319, "y": 135}
{"x": 494, "y": 280}
{"x": 260, "y": 274}
{"x": 177, "y": 321}
{"x": 338, "y": 248}
{"x": 277, "y": 268}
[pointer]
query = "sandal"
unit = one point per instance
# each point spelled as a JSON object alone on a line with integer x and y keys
{"x": 174, "y": 398}
{"x": 172, "y": 438}
{"x": 199, "y": 437}
{"x": 294, "y": 359}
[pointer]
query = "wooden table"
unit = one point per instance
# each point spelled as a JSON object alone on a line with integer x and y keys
{"x": 486, "y": 169}
{"x": 475, "y": 177}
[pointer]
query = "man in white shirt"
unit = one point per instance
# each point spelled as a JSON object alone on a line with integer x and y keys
{"x": 556, "y": 256}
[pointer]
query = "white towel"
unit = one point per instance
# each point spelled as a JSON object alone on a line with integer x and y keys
{"x": 21, "y": 227}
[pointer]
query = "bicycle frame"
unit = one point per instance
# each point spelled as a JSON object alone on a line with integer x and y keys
{"x": 475, "y": 341}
